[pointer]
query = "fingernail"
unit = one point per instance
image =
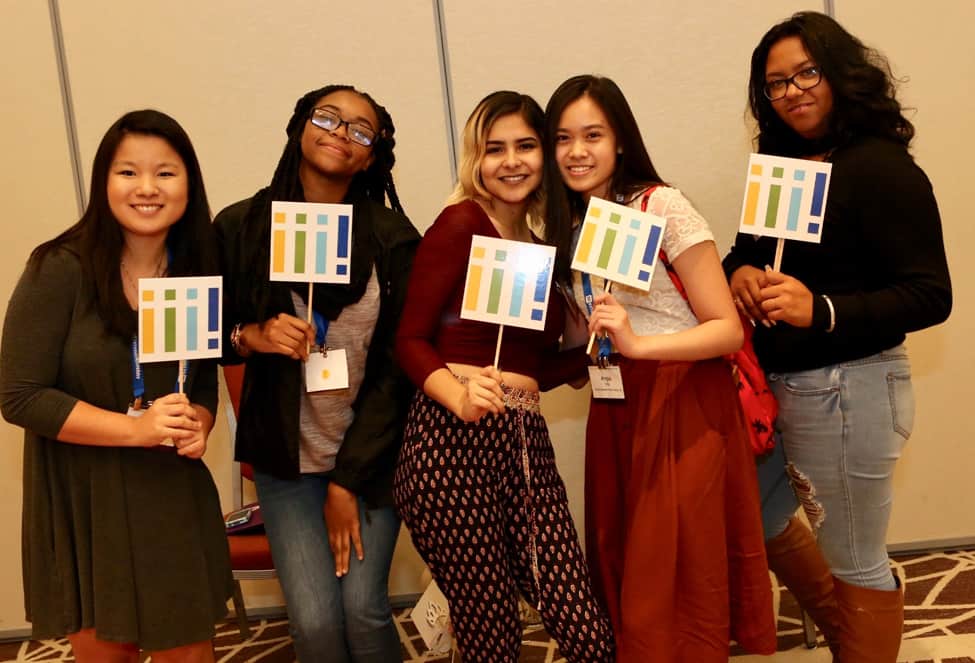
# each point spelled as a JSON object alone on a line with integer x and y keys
{"x": 767, "y": 323}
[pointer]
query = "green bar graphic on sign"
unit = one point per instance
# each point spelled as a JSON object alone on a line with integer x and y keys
{"x": 494, "y": 294}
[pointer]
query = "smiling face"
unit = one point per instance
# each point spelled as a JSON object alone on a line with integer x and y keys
{"x": 147, "y": 186}
{"x": 511, "y": 168}
{"x": 585, "y": 148}
{"x": 806, "y": 112}
{"x": 332, "y": 154}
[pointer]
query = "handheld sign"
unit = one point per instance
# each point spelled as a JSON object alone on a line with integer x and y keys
{"x": 785, "y": 198}
{"x": 618, "y": 243}
{"x": 180, "y": 318}
{"x": 508, "y": 283}
{"x": 311, "y": 242}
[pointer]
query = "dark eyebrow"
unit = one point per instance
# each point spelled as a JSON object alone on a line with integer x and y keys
{"x": 805, "y": 64}
{"x": 356, "y": 120}
{"x": 585, "y": 128}
{"x": 126, "y": 162}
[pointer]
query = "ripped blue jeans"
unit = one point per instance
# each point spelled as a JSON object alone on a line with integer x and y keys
{"x": 841, "y": 428}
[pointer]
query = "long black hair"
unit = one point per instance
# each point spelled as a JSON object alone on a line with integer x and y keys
{"x": 97, "y": 237}
{"x": 863, "y": 87}
{"x": 375, "y": 183}
{"x": 634, "y": 170}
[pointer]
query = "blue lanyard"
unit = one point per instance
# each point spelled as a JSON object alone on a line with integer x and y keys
{"x": 321, "y": 329}
{"x": 139, "y": 383}
{"x": 604, "y": 344}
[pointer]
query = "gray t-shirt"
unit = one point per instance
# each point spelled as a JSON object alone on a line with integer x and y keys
{"x": 327, "y": 415}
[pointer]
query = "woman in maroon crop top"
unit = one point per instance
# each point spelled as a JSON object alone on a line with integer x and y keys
{"x": 476, "y": 482}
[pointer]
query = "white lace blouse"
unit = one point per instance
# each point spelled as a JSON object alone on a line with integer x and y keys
{"x": 661, "y": 310}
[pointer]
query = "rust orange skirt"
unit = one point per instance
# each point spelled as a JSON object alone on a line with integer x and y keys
{"x": 673, "y": 524}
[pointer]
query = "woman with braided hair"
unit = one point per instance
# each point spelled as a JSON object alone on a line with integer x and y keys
{"x": 324, "y": 460}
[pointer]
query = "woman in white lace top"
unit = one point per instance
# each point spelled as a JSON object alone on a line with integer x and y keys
{"x": 673, "y": 529}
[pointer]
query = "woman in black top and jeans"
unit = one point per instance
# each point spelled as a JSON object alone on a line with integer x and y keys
{"x": 831, "y": 324}
{"x": 324, "y": 460}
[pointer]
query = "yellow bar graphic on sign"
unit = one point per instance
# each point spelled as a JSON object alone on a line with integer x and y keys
{"x": 751, "y": 203}
{"x": 148, "y": 331}
{"x": 585, "y": 242}
{"x": 277, "y": 251}
{"x": 473, "y": 288}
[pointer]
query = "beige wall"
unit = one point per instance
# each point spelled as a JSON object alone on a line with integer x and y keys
{"x": 230, "y": 71}
{"x": 39, "y": 201}
{"x": 930, "y": 44}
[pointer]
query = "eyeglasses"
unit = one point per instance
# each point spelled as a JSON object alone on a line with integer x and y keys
{"x": 806, "y": 79}
{"x": 326, "y": 119}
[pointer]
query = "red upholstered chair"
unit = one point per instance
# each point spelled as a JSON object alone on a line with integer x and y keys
{"x": 250, "y": 554}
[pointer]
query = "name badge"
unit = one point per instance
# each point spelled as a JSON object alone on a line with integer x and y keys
{"x": 329, "y": 371}
{"x": 606, "y": 382}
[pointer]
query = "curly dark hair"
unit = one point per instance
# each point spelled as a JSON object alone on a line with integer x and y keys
{"x": 864, "y": 89}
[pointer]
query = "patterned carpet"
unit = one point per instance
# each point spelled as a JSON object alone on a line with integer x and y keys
{"x": 939, "y": 626}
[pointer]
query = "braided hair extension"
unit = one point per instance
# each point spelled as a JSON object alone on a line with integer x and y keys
{"x": 375, "y": 184}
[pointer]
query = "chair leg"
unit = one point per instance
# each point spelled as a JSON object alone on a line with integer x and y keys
{"x": 808, "y": 630}
{"x": 241, "y": 611}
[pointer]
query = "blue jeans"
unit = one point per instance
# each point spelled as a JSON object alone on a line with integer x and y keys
{"x": 332, "y": 620}
{"x": 842, "y": 428}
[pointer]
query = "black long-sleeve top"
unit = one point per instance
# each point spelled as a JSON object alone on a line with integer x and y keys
{"x": 881, "y": 262}
{"x": 267, "y": 430}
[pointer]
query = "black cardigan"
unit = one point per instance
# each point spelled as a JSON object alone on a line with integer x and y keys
{"x": 268, "y": 426}
{"x": 881, "y": 262}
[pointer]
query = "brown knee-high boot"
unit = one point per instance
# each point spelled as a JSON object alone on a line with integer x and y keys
{"x": 797, "y": 562}
{"x": 871, "y": 622}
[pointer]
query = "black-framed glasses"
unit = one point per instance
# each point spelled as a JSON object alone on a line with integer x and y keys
{"x": 329, "y": 120}
{"x": 806, "y": 79}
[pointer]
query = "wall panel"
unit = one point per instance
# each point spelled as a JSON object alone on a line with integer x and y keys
{"x": 39, "y": 202}
{"x": 937, "y": 463}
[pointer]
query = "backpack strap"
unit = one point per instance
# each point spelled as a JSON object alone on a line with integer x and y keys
{"x": 671, "y": 272}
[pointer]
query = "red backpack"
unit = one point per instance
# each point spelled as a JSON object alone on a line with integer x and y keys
{"x": 758, "y": 403}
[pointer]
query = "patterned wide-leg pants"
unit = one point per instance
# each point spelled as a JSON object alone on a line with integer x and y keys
{"x": 488, "y": 512}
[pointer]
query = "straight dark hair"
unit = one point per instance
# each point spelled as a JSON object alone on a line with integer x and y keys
{"x": 634, "y": 170}
{"x": 97, "y": 237}
{"x": 863, "y": 87}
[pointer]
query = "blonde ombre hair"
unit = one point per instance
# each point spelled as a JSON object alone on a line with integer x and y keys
{"x": 492, "y": 107}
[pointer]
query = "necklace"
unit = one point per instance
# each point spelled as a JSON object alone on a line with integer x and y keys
{"x": 130, "y": 280}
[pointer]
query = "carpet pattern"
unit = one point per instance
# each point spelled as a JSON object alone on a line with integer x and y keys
{"x": 939, "y": 604}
